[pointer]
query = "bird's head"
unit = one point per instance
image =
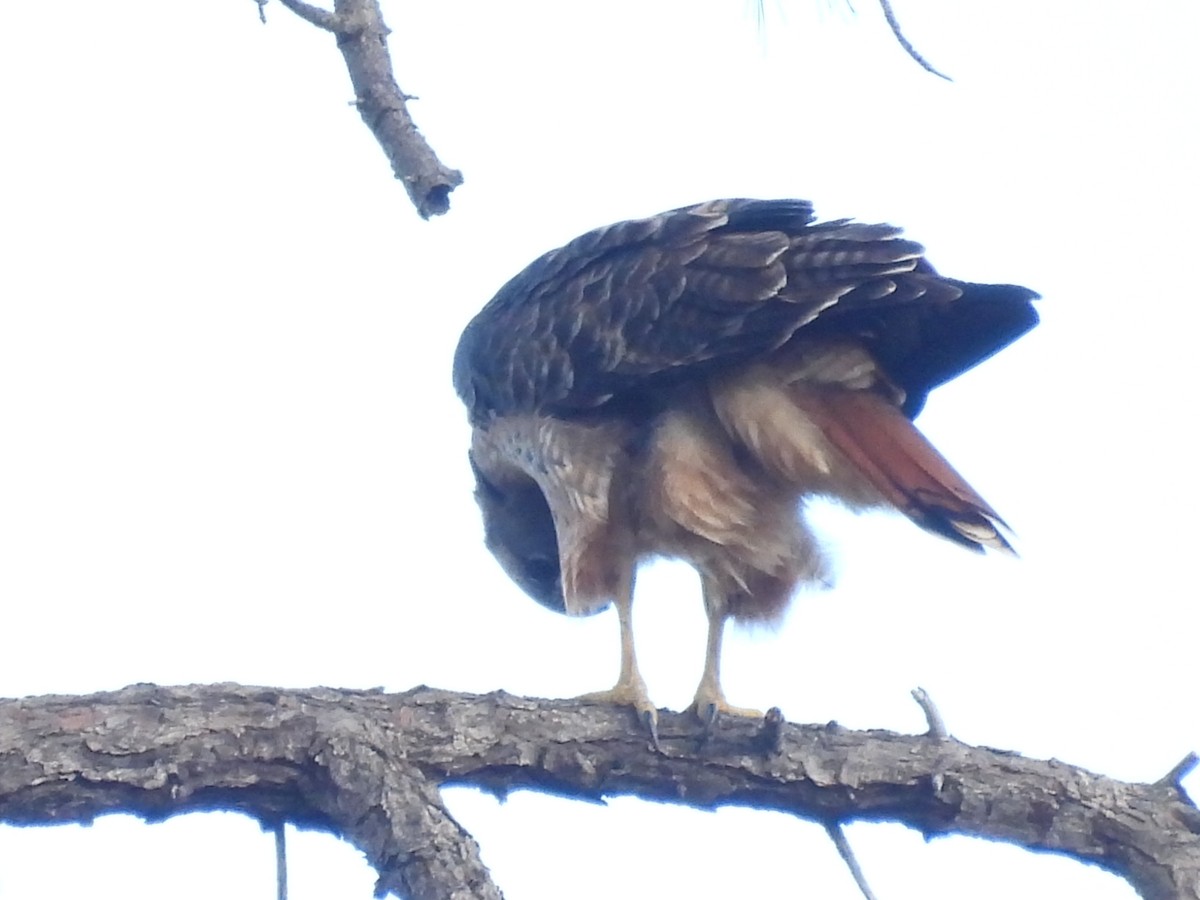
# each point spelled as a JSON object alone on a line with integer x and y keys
{"x": 519, "y": 530}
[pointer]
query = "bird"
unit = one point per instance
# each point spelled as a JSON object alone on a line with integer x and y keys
{"x": 682, "y": 386}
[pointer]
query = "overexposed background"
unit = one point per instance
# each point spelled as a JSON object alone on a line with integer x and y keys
{"x": 229, "y": 448}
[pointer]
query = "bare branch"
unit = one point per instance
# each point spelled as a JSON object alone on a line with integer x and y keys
{"x": 362, "y": 39}
{"x": 322, "y": 18}
{"x": 894, "y": 24}
{"x": 937, "y": 728}
{"x": 838, "y": 836}
{"x": 368, "y": 766}
{"x": 281, "y": 889}
{"x": 1180, "y": 771}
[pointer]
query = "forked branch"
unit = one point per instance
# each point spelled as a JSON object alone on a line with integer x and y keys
{"x": 369, "y": 766}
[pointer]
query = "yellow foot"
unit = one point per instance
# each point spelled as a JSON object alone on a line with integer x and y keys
{"x": 710, "y": 705}
{"x": 631, "y": 693}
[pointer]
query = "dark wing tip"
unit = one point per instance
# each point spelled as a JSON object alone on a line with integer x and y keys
{"x": 964, "y": 333}
{"x": 769, "y": 215}
{"x": 975, "y": 531}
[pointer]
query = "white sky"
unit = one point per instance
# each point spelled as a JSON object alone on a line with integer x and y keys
{"x": 229, "y": 448}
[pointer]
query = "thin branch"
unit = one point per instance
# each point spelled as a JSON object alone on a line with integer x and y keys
{"x": 314, "y": 15}
{"x": 1180, "y": 771}
{"x": 894, "y": 24}
{"x": 369, "y": 766}
{"x": 281, "y": 887}
{"x": 362, "y": 39}
{"x": 838, "y": 836}
{"x": 937, "y": 728}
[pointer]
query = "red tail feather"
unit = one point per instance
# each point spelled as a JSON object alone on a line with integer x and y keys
{"x": 903, "y": 466}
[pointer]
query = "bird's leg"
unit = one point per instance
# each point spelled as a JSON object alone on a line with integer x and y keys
{"x": 710, "y": 699}
{"x": 630, "y": 689}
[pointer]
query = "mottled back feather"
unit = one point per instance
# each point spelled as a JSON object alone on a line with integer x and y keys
{"x": 679, "y": 384}
{"x": 650, "y": 301}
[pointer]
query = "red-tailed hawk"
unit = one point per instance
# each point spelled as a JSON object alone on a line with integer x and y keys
{"x": 679, "y": 385}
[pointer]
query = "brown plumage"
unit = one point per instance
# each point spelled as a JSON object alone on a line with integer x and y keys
{"x": 679, "y": 385}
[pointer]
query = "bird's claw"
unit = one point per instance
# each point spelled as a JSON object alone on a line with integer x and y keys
{"x": 709, "y": 706}
{"x": 632, "y": 693}
{"x": 650, "y": 721}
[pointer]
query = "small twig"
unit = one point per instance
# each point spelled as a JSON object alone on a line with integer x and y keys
{"x": 314, "y": 15}
{"x": 262, "y": 11}
{"x": 1180, "y": 771}
{"x": 894, "y": 24}
{"x": 771, "y": 735}
{"x": 281, "y": 890}
{"x": 937, "y": 728}
{"x": 838, "y": 836}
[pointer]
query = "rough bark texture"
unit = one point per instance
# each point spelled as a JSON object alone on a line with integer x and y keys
{"x": 362, "y": 38}
{"x": 368, "y": 767}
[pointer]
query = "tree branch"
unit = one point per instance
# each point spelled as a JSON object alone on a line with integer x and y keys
{"x": 281, "y": 889}
{"x": 362, "y": 38}
{"x": 368, "y": 767}
{"x": 894, "y": 24}
{"x": 937, "y": 728}
{"x": 314, "y": 15}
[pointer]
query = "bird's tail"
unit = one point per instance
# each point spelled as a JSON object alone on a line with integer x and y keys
{"x": 886, "y": 449}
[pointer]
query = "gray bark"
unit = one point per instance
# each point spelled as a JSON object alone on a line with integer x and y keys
{"x": 361, "y": 37}
{"x": 368, "y": 766}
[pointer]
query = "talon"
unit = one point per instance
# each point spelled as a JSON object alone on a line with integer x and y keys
{"x": 632, "y": 692}
{"x": 709, "y": 712}
{"x": 650, "y": 721}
